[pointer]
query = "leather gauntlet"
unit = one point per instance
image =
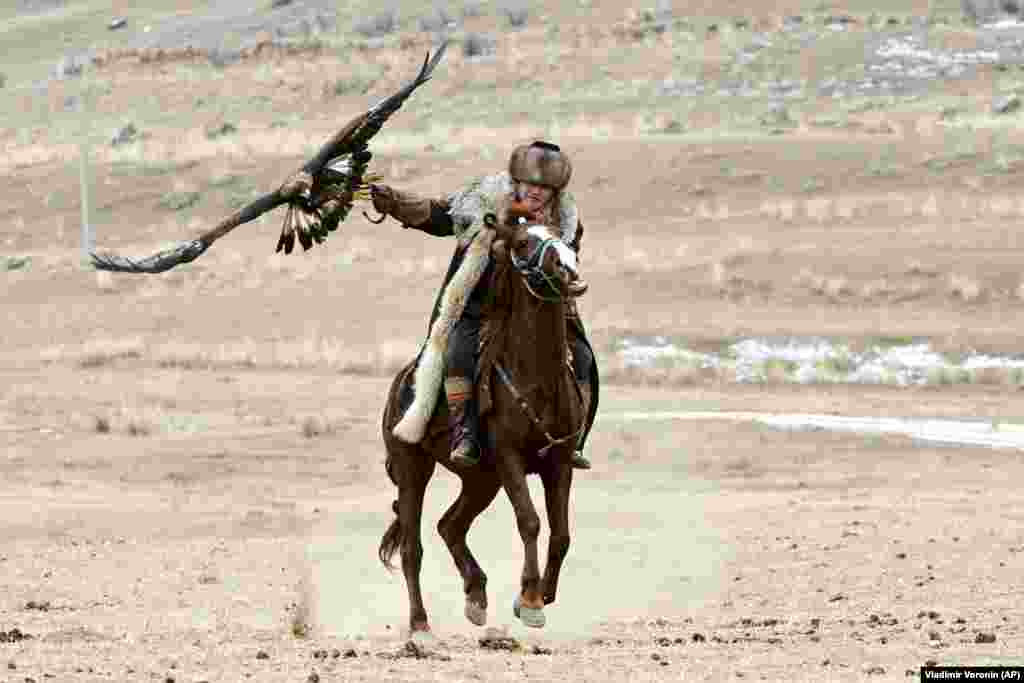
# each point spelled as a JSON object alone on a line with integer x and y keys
{"x": 407, "y": 208}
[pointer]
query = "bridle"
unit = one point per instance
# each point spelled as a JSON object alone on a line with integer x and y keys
{"x": 531, "y": 269}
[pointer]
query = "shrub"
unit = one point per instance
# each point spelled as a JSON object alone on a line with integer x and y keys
{"x": 380, "y": 24}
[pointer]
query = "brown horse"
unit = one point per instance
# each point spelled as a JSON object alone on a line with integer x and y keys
{"x": 535, "y": 414}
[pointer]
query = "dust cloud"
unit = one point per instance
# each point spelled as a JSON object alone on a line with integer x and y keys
{"x": 641, "y": 548}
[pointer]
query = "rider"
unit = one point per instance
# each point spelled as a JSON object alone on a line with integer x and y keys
{"x": 537, "y": 176}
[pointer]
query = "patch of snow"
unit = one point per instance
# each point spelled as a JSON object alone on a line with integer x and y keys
{"x": 952, "y": 432}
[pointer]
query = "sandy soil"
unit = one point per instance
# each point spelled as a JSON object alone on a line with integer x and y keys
{"x": 192, "y": 467}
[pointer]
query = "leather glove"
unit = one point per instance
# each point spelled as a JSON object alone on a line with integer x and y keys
{"x": 383, "y": 199}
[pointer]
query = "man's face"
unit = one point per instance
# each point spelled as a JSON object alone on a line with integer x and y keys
{"x": 535, "y": 197}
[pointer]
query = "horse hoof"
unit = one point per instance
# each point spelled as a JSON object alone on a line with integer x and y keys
{"x": 425, "y": 640}
{"x": 530, "y": 616}
{"x": 476, "y": 614}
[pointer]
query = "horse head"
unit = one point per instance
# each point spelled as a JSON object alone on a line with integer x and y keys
{"x": 544, "y": 261}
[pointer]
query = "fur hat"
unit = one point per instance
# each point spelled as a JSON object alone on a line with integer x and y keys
{"x": 540, "y": 163}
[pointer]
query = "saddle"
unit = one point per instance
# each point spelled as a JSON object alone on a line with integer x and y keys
{"x": 482, "y": 385}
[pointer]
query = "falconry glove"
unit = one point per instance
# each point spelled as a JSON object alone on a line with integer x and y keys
{"x": 407, "y": 208}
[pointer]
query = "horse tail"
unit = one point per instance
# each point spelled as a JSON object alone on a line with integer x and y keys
{"x": 392, "y": 540}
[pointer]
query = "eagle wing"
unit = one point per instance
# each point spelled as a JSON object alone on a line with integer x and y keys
{"x": 319, "y": 195}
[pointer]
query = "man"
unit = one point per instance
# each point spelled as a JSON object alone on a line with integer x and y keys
{"x": 537, "y": 176}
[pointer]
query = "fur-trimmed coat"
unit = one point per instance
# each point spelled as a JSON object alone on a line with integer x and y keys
{"x": 461, "y": 214}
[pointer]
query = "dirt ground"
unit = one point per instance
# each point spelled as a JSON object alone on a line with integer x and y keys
{"x": 193, "y": 483}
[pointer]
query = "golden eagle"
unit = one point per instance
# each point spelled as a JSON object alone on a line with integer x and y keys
{"x": 319, "y": 195}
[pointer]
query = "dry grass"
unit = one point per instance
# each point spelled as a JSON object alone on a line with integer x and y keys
{"x": 965, "y": 288}
{"x": 128, "y": 419}
{"x": 96, "y": 353}
{"x": 310, "y": 352}
{"x": 830, "y": 286}
{"x": 313, "y": 426}
{"x": 301, "y": 613}
{"x": 665, "y": 372}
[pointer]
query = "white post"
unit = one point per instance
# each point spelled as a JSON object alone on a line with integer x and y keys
{"x": 88, "y": 238}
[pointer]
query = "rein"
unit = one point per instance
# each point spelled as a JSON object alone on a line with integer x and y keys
{"x": 530, "y": 413}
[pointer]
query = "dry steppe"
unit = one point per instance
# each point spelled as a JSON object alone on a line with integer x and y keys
{"x": 193, "y": 483}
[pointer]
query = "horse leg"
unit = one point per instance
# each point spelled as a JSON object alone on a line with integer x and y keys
{"x": 478, "y": 491}
{"x": 557, "y": 486}
{"x": 412, "y": 487}
{"x": 529, "y": 605}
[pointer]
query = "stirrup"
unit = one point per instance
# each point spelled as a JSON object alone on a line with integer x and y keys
{"x": 580, "y": 461}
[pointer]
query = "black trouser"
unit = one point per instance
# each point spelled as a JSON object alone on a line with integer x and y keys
{"x": 464, "y": 351}
{"x": 582, "y": 359}
{"x": 464, "y": 348}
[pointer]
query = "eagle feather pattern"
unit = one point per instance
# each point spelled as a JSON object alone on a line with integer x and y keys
{"x": 467, "y": 209}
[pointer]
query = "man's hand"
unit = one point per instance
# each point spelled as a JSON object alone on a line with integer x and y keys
{"x": 383, "y": 199}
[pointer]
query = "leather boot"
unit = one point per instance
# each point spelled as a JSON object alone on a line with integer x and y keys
{"x": 579, "y": 461}
{"x": 462, "y": 430}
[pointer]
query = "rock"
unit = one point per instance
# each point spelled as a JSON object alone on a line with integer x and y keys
{"x": 69, "y": 67}
{"x": 274, "y": 4}
{"x": 221, "y": 57}
{"x": 875, "y": 671}
{"x": 313, "y": 678}
{"x": 985, "y": 637}
{"x": 479, "y": 45}
{"x": 698, "y": 638}
{"x": 499, "y": 639}
{"x": 117, "y": 23}
{"x": 1005, "y": 104}
{"x": 124, "y": 135}
{"x": 777, "y": 115}
{"x": 437, "y": 21}
{"x": 262, "y": 655}
{"x": 671, "y": 87}
{"x": 378, "y": 25}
